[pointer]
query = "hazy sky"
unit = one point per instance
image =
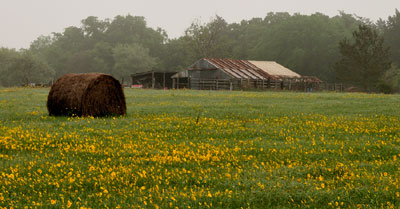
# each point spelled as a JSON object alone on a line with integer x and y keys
{"x": 22, "y": 21}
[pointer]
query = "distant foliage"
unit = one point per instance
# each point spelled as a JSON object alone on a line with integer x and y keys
{"x": 23, "y": 68}
{"x": 364, "y": 60}
{"x": 307, "y": 44}
{"x": 131, "y": 58}
{"x": 96, "y": 46}
{"x": 392, "y": 78}
{"x": 392, "y": 36}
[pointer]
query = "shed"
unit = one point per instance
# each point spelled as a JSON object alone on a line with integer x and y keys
{"x": 152, "y": 79}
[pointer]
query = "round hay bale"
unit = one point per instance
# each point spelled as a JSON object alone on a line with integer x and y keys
{"x": 91, "y": 94}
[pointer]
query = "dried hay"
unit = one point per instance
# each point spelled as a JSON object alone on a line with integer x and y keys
{"x": 91, "y": 94}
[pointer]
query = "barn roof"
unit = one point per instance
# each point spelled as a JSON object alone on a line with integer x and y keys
{"x": 275, "y": 69}
{"x": 245, "y": 69}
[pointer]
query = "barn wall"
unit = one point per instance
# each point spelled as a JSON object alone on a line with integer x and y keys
{"x": 196, "y": 76}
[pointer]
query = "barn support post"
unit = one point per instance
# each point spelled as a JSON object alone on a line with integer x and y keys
{"x": 164, "y": 81}
{"x": 230, "y": 85}
{"x": 216, "y": 84}
{"x": 177, "y": 85}
{"x": 189, "y": 83}
{"x": 173, "y": 83}
{"x": 153, "y": 80}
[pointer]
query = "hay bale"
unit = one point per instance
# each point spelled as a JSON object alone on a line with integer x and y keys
{"x": 91, "y": 94}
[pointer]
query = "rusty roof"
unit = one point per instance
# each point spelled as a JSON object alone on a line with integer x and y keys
{"x": 245, "y": 69}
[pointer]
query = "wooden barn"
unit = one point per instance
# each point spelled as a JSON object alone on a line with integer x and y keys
{"x": 158, "y": 80}
{"x": 230, "y": 74}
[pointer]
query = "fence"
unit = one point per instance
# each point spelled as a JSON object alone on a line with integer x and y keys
{"x": 257, "y": 84}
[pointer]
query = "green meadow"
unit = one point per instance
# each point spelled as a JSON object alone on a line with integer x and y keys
{"x": 203, "y": 149}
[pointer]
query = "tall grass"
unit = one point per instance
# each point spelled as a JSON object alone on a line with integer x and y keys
{"x": 203, "y": 149}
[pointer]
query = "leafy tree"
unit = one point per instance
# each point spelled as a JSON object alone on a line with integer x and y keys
{"x": 306, "y": 44}
{"x": 131, "y": 59}
{"x": 102, "y": 57}
{"x": 392, "y": 36}
{"x": 133, "y": 29}
{"x": 7, "y": 57}
{"x": 363, "y": 60}
{"x": 176, "y": 56}
{"x": 94, "y": 28}
{"x": 27, "y": 69}
{"x": 41, "y": 45}
{"x": 392, "y": 78}
{"x": 210, "y": 40}
{"x": 23, "y": 68}
{"x": 79, "y": 62}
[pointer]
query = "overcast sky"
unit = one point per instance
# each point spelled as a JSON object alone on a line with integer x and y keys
{"x": 22, "y": 21}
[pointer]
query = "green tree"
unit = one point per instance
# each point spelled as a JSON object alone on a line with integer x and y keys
{"x": 209, "y": 40}
{"x": 176, "y": 55}
{"x": 40, "y": 46}
{"x": 7, "y": 57}
{"x": 392, "y": 36}
{"x": 133, "y": 29}
{"x": 364, "y": 60}
{"x": 392, "y": 78}
{"x": 94, "y": 28}
{"x": 131, "y": 59}
{"x": 102, "y": 57}
{"x": 27, "y": 69}
{"x": 23, "y": 68}
{"x": 306, "y": 44}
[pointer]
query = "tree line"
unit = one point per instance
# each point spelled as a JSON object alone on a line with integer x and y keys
{"x": 313, "y": 45}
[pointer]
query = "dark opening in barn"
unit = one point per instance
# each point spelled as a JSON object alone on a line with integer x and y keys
{"x": 158, "y": 80}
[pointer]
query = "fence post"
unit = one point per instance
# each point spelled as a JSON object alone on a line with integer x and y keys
{"x": 263, "y": 84}
{"x": 164, "y": 81}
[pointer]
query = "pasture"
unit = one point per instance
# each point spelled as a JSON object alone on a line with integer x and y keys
{"x": 203, "y": 149}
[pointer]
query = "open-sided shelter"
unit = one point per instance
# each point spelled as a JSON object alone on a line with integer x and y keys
{"x": 152, "y": 79}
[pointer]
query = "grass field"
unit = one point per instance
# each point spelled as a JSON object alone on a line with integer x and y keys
{"x": 203, "y": 149}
